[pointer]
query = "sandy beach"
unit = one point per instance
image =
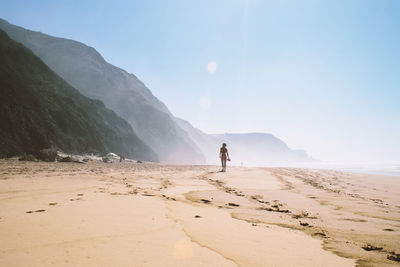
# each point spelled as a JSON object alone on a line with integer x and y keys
{"x": 129, "y": 214}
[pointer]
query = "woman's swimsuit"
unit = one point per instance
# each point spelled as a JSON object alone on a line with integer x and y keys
{"x": 223, "y": 152}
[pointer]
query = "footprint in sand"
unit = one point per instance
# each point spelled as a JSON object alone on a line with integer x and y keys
{"x": 319, "y": 234}
{"x": 118, "y": 194}
{"x": 353, "y": 220}
{"x": 53, "y": 203}
{"x": 168, "y": 198}
{"x": 78, "y": 198}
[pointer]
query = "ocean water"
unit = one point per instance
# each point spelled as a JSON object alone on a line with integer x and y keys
{"x": 387, "y": 168}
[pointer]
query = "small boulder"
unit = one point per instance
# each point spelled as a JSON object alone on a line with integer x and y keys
{"x": 70, "y": 159}
{"x": 66, "y": 159}
{"x": 27, "y": 157}
{"x": 47, "y": 154}
{"x": 110, "y": 157}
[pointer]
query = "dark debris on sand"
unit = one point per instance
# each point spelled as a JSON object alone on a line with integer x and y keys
{"x": 370, "y": 247}
{"x": 393, "y": 256}
{"x": 304, "y": 224}
{"x": 31, "y": 211}
{"x": 388, "y": 229}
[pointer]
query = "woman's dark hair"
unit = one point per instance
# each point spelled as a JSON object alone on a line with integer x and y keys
{"x": 223, "y": 144}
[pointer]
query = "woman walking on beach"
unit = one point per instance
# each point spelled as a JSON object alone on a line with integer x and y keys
{"x": 224, "y": 155}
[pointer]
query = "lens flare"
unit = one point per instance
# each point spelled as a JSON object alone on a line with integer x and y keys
{"x": 212, "y": 66}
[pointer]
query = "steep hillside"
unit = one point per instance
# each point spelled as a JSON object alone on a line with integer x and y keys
{"x": 38, "y": 109}
{"x": 86, "y": 70}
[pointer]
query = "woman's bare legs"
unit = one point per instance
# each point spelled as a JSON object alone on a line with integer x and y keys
{"x": 223, "y": 162}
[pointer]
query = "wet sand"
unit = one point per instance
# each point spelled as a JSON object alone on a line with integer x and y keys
{"x": 127, "y": 214}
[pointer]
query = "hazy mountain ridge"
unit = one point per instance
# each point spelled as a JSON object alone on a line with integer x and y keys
{"x": 208, "y": 144}
{"x": 40, "y": 110}
{"x": 260, "y": 148}
{"x": 86, "y": 70}
{"x": 247, "y": 148}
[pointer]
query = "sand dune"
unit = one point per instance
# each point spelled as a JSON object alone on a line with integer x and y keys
{"x": 126, "y": 214}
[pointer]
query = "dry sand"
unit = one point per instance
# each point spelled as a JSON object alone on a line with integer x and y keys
{"x": 126, "y": 214}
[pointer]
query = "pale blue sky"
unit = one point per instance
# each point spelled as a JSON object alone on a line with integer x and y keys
{"x": 323, "y": 76}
